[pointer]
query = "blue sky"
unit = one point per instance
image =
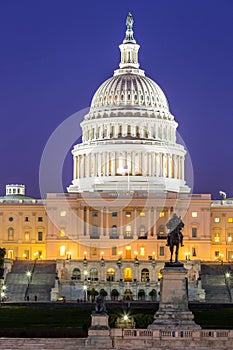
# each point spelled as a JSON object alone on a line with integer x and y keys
{"x": 55, "y": 54}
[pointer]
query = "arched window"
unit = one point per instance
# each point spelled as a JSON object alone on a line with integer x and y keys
{"x": 128, "y": 274}
{"x": 10, "y": 234}
{"x": 141, "y": 294}
{"x": 142, "y": 231}
{"x": 110, "y": 274}
{"x": 93, "y": 274}
{"x": 76, "y": 274}
{"x": 145, "y": 275}
{"x": 114, "y": 231}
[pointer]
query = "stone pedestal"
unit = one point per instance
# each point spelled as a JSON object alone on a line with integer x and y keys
{"x": 99, "y": 332}
{"x": 173, "y": 310}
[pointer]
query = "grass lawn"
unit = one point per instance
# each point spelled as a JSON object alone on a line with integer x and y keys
{"x": 72, "y": 321}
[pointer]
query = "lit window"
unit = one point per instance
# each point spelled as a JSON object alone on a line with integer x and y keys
{"x": 217, "y": 238}
{"x": 62, "y": 213}
{"x": 40, "y": 218}
{"x": 194, "y": 214}
{"x": 216, "y": 219}
{"x": 142, "y": 213}
{"x": 62, "y": 232}
{"x": 128, "y": 231}
{"x": 26, "y": 236}
{"x": 161, "y": 214}
{"x": 128, "y": 214}
{"x": 114, "y": 213}
{"x": 229, "y": 238}
{"x": 95, "y": 213}
{"x": 230, "y": 220}
{"x": 142, "y": 251}
{"x": 128, "y": 247}
{"x": 62, "y": 250}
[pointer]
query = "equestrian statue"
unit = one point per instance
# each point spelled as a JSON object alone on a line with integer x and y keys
{"x": 175, "y": 236}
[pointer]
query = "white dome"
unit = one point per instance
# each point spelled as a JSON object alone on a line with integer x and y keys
{"x": 129, "y": 90}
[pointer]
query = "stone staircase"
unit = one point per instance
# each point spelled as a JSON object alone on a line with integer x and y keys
{"x": 19, "y": 287}
{"x": 218, "y": 289}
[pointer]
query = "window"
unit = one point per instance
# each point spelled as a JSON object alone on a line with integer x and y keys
{"x": 62, "y": 213}
{"x": 94, "y": 274}
{"x": 11, "y": 219}
{"x": 194, "y": 214}
{"x": 94, "y": 251}
{"x": 145, "y": 275}
{"x": 62, "y": 232}
{"x": 229, "y": 238}
{"x": 26, "y": 219}
{"x": 26, "y": 254}
{"x": 216, "y": 254}
{"x": 216, "y": 238}
{"x": 40, "y": 236}
{"x": 161, "y": 214}
{"x": 40, "y": 218}
{"x": 142, "y": 251}
{"x": 114, "y": 230}
{"x": 76, "y": 274}
{"x": 161, "y": 251}
{"x": 95, "y": 213}
{"x": 128, "y": 274}
{"x": 114, "y": 213}
{"x": 26, "y": 236}
{"x": 230, "y": 220}
{"x": 142, "y": 213}
{"x": 194, "y": 232}
{"x": 194, "y": 253}
{"x": 62, "y": 250}
{"x": 114, "y": 250}
{"x": 128, "y": 231}
{"x": 128, "y": 214}
{"x": 142, "y": 231}
{"x": 110, "y": 275}
{"x": 216, "y": 219}
{"x": 10, "y": 234}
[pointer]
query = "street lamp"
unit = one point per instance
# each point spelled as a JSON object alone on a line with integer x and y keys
{"x": 85, "y": 292}
{"x": 29, "y": 275}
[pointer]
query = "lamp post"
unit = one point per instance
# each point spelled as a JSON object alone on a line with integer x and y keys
{"x": 29, "y": 275}
{"x": 2, "y": 294}
{"x": 84, "y": 285}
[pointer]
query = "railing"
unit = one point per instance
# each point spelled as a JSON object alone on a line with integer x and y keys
{"x": 162, "y": 334}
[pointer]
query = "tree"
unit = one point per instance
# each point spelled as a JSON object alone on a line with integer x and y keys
{"x": 115, "y": 294}
{"x": 2, "y": 255}
{"x": 103, "y": 293}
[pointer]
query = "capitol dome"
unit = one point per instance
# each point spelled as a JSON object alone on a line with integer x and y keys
{"x": 129, "y": 90}
{"x": 129, "y": 135}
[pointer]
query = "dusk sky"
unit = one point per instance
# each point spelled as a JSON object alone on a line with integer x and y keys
{"x": 55, "y": 54}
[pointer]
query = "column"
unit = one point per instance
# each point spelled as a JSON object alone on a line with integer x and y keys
{"x": 182, "y": 168}
{"x": 99, "y": 164}
{"x": 121, "y": 224}
{"x": 107, "y": 164}
{"x": 149, "y": 222}
{"x": 135, "y": 229}
{"x": 82, "y": 221}
{"x": 153, "y": 170}
{"x": 133, "y": 163}
{"x": 101, "y": 222}
{"x": 143, "y": 164}
{"x": 149, "y": 164}
{"x": 88, "y": 165}
{"x": 157, "y": 165}
{"x": 88, "y": 222}
{"x": 113, "y": 164}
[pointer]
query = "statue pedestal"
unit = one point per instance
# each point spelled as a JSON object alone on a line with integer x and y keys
{"x": 99, "y": 332}
{"x": 173, "y": 307}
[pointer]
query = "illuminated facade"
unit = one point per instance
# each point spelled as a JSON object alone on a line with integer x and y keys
{"x": 128, "y": 180}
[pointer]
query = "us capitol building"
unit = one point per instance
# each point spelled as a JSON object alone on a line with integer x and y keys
{"x": 109, "y": 231}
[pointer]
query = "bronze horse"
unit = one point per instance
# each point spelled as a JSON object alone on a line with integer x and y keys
{"x": 175, "y": 236}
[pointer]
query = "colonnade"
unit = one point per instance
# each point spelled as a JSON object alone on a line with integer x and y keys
{"x": 132, "y": 163}
{"x": 150, "y": 130}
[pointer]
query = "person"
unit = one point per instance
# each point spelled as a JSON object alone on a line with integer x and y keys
{"x": 175, "y": 223}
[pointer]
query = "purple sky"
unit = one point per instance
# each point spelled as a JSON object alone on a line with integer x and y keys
{"x": 55, "y": 54}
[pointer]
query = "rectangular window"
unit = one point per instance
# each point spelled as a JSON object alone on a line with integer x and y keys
{"x": 40, "y": 218}
{"x": 142, "y": 251}
{"x": 128, "y": 214}
{"x": 142, "y": 213}
{"x": 194, "y": 252}
{"x": 62, "y": 250}
{"x": 229, "y": 237}
{"x": 230, "y": 219}
{"x": 161, "y": 214}
{"x": 26, "y": 219}
{"x": 10, "y": 234}
{"x": 194, "y": 214}
{"x": 62, "y": 232}
{"x": 161, "y": 251}
{"x": 26, "y": 254}
{"x": 40, "y": 236}
{"x": 94, "y": 251}
{"x": 114, "y": 213}
{"x": 95, "y": 213}
{"x": 114, "y": 250}
{"x": 216, "y": 219}
{"x": 194, "y": 232}
{"x": 216, "y": 238}
{"x": 26, "y": 236}
{"x": 216, "y": 254}
{"x": 62, "y": 213}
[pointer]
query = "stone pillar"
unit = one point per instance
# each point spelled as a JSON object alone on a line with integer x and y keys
{"x": 135, "y": 233}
